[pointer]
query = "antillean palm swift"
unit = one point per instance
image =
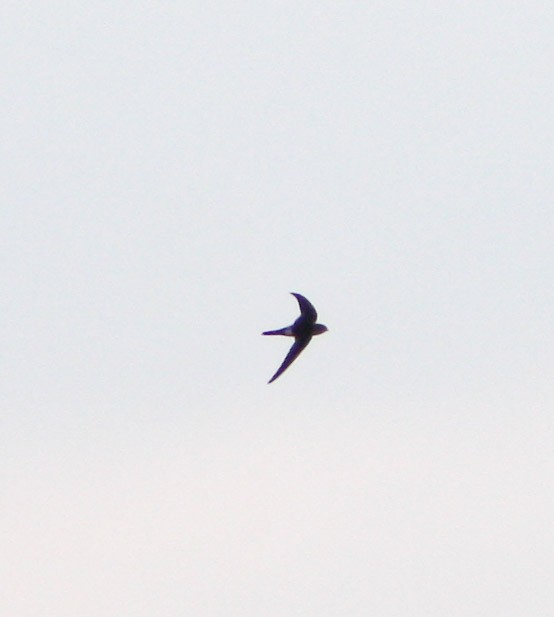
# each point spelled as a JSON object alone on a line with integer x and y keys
{"x": 302, "y": 329}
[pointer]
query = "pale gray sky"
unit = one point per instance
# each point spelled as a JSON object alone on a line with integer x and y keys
{"x": 170, "y": 172}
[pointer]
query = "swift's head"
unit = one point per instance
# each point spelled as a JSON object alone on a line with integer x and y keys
{"x": 319, "y": 328}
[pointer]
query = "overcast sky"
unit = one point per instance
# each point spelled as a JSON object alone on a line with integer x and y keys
{"x": 170, "y": 172}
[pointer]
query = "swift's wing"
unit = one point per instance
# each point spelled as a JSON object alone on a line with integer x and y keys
{"x": 297, "y": 348}
{"x": 306, "y": 307}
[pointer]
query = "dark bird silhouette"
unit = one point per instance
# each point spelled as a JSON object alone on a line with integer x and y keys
{"x": 302, "y": 329}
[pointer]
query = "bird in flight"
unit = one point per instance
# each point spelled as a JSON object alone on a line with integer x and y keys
{"x": 302, "y": 329}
